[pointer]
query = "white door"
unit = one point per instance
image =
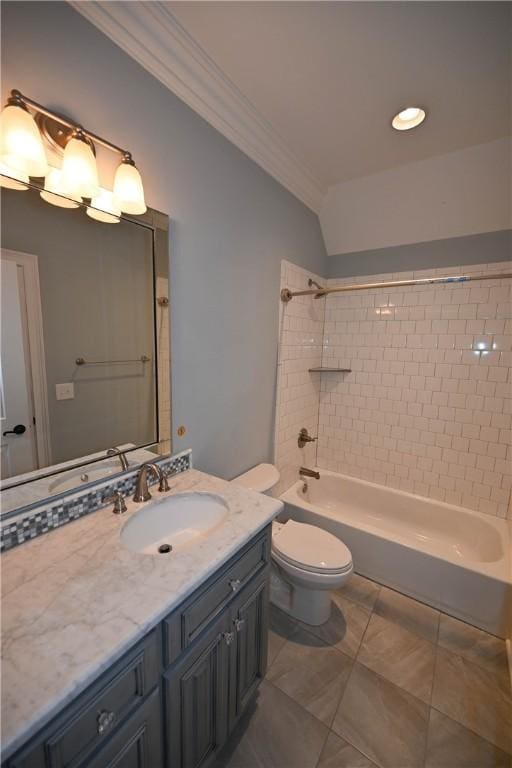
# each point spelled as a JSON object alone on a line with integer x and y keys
{"x": 17, "y": 439}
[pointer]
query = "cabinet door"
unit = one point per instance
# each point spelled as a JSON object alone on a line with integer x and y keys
{"x": 249, "y": 655}
{"x": 138, "y": 743}
{"x": 196, "y": 700}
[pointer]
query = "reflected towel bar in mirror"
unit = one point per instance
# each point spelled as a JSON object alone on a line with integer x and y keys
{"x": 83, "y": 361}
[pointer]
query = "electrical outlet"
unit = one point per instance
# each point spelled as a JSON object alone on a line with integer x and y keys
{"x": 65, "y": 391}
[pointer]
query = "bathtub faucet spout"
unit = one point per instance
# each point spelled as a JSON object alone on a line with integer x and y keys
{"x": 304, "y": 471}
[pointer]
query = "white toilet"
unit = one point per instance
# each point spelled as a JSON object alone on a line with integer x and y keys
{"x": 307, "y": 562}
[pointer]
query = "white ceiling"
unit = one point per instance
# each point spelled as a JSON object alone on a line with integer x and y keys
{"x": 329, "y": 76}
{"x": 308, "y": 89}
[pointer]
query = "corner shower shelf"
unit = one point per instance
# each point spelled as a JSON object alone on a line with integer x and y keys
{"x": 330, "y": 370}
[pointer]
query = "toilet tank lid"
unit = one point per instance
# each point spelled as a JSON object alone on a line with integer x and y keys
{"x": 260, "y": 478}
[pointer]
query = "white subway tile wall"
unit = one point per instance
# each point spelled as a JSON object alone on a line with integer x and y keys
{"x": 298, "y": 391}
{"x": 427, "y": 407}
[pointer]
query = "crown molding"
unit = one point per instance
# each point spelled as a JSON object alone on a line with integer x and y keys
{"x": 151, "y": 35}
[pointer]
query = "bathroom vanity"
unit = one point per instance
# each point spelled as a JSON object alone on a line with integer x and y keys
{"x": 113, "y": 657}
{"x": 118, "y": 648}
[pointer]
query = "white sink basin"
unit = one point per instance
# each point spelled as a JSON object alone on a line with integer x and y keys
{"x": 173, "y": 522}
{"x": 77, "y": 477}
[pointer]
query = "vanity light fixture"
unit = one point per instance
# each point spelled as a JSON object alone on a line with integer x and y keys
{"x": 22, "y": 155}
{"x": 11, "y": 179}
{"x": 104, "y": 207}
{"x": 128, "y": 189}
{"x": 408, "y": 118}
{"x": 21, "y": 146}
{"x": 54, "y": 191}
{"x": 79, "y": 171}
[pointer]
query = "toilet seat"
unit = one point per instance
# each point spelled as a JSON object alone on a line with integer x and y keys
{"x": 310, "y": 549}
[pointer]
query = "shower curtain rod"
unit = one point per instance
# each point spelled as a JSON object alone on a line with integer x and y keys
{"x": 287, "y": 295}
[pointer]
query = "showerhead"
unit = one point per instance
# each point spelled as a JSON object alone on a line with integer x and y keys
{"x": 320, "y": 288}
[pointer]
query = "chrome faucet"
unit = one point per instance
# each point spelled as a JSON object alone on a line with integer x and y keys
{"x": 304, "y": 471}
{"x": 121, "y": 456}
{"x": 142, "y": 492}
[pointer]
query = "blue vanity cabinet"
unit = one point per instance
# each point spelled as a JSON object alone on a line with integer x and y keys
{"x": 212, "y": 683}
{"x": 215, "y": 646}
{"x": 137, "y": 743}
{"x": 248, "y": 660}
{"x": 174, "y": 698}
{"x": 196, "y": 700}
{"x": 125, "y": 699}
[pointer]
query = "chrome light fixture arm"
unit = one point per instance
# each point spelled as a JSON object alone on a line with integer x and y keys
{"x": 19, "y": 99}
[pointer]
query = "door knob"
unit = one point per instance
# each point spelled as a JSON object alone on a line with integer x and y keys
{"x": 19, "y": 429}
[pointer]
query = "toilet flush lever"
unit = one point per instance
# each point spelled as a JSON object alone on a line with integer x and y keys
{"x": 304, "y": 438}
{"x": 235, "y": 584}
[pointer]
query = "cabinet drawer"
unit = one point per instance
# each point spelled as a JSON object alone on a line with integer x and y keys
{"x": 183, "y": 626}
{"x": 138, "y": 743}
{"x": 87, "y": 723}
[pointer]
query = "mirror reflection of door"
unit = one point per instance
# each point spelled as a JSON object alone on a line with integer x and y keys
{"x": 20, "y": 449}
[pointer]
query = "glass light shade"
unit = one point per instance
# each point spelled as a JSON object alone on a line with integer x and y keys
{"x": 79, "y": 171}
{"x": 11, "y": 179}
{"x": 408, "y": 118}
{"x": 104, "y": 208}
{"x": 21, "y": 147}
{"x": 128, "y": 189}
{"x": 55, "y": 193}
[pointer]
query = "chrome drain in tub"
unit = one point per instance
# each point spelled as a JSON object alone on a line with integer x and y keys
{"x": 164, "y": 549}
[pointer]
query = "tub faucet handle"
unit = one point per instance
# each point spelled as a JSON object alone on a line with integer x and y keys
{"x": 305, "y": 437}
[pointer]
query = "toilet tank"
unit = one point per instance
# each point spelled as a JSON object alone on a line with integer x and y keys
{"x": 261, "y": 478}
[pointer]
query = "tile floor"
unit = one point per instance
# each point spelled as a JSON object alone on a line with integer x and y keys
{"x": 386, "y": 682}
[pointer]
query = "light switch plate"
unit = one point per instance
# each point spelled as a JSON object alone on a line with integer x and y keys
{"x": 65, "y": 391}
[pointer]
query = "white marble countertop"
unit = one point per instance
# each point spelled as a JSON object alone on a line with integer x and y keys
{"x": 75, "y": 599}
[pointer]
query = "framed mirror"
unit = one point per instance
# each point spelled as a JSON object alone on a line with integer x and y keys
{"x": 85, "y": 351}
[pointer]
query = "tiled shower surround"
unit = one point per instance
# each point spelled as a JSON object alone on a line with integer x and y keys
{"x": 300, "y": 348}
{"x": 427, "y": 406}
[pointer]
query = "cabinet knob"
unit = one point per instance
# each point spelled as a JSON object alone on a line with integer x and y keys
{"x": 239, "y": 624}
{"x": 105, "y": 721}
{"x": 229, "y": 637}
{"x": 235, "y": 584}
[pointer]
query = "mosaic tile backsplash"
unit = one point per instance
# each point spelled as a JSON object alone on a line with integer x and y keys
{"x": 24, "y": 525}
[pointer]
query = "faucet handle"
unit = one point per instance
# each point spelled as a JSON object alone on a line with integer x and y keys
{"x": 119, "y": 503}
{"x": 163, "y": 485}
{"x": 304, "y": 438}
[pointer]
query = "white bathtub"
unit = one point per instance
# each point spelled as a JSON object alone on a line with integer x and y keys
{"x": 451, "y": 558}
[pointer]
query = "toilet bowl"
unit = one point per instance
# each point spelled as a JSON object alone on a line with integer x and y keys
{"x": 307, "y": 562}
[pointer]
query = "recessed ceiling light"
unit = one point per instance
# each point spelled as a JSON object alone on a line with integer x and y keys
{"x": 408, "y": 118}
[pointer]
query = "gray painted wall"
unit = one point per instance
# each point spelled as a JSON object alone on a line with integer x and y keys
{"x": 472, "y": 249}
{"x": 231, "y": 224}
